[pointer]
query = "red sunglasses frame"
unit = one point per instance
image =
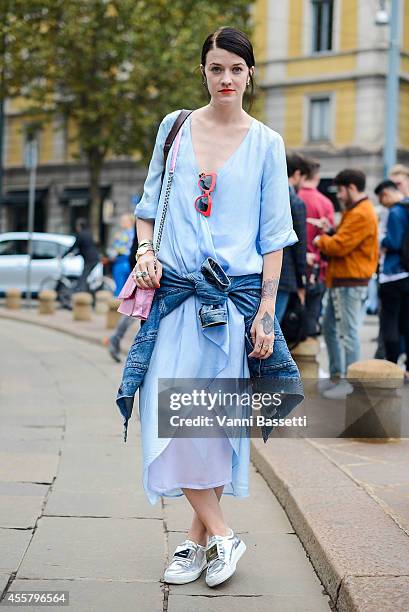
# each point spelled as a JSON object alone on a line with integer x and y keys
{"x": 206, "y": 192}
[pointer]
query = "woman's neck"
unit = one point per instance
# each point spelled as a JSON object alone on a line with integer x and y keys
{"x": 224, "y": 114}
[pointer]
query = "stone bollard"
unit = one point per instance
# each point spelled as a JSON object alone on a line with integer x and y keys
{"x": 13, "y": 299}
{"x": 374, "y": 407}
{"x": 113, "y": 316}
{"x": 305, "y": 356}
{"x": 102, "y": 299}
{"x": 47, "y": 301}
{"x": 82, "y": 306}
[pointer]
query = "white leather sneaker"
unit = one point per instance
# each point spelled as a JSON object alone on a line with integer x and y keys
{"x": 222, "y": 554}
{"x": 187, "y": 564}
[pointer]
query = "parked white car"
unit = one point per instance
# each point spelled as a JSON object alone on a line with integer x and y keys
{"x": 49, "y": 260}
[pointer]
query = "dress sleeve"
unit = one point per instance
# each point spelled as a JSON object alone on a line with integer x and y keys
{"x": 276, "y": 225}
{"x": 148, "y": 205}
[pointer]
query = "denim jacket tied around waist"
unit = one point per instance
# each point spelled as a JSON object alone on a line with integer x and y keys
{"x": 213, "y": 286}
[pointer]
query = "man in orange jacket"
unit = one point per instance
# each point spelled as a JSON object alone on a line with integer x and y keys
{"x": 352, "y": 253}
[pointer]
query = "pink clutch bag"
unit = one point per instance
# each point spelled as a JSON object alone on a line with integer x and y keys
{"x": 137, "y": 302}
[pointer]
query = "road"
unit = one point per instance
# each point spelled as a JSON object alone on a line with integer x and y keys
{"x": 74, "y": 517}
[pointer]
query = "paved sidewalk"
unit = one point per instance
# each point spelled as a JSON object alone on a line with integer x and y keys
{"x": 62, "y": 320}
{"x": 334, "y": 493}
{"x": 347, "y": 499}
{"x": 73, "y": 516}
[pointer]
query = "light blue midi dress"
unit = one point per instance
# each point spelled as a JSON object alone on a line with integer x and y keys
{"x": 250, "y": 217}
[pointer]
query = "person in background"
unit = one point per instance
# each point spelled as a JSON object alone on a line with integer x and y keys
{"x": 393, "y": 276}
{"x": 120, "y": 249}
{"x": 85, "y": 246}
{"x": 352, "y": 253}
{"x": 294, "y": 266}
{"x": 399, "y": 174}
{"x": 318, "y": 207}
{"x": 113, "y": 343}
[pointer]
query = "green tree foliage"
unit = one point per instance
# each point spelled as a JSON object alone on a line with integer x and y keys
{"x": 17, "y": 47}
{"x": 14, "y": 46}
{"x": 116, "y": 67}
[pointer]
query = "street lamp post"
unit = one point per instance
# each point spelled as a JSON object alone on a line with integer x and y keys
{"x": 31, "y": 154}
{"x": 392, "y": 83}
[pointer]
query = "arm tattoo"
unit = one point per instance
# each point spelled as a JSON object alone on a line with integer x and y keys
{"x": 268, "y": 323}
{"x": 269, "y": 288}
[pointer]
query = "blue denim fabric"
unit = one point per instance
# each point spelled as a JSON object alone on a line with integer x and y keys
{"x": 342, "y": 319}
{"x": 214, "y": 287}
{"x": 281, "y": 304}
{"x": 396, "y": 229}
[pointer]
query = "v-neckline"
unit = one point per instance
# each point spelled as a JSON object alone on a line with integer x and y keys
{"x": 228, "y": 160}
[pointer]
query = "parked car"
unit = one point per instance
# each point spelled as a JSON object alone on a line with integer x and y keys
{"x": 49, "y": 265}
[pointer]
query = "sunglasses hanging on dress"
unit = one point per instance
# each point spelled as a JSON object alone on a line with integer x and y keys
{"x": 207, "y": 183}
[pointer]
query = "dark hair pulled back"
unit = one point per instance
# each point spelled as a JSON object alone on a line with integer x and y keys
{"x": 234, "y": 41}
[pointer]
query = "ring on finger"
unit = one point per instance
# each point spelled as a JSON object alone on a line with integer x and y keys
{"x": 144, "y": 273}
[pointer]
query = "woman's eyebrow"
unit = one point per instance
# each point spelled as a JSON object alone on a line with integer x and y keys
{"x": 236, "y": 64}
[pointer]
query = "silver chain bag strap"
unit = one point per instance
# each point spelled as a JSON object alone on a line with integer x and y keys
{"x": 174, "y": 135}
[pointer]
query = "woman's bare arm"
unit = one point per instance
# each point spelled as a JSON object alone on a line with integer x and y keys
{"x": 144, "y": 229}
{"x": 147, "y": 262}
{"x": 262, "y": 329}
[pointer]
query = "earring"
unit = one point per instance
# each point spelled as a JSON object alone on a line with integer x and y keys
{"x": 248, "y": 83}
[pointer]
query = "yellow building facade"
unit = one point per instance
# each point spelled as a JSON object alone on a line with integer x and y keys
{"x": 322, "y": 66}
{"x": 62, "y": 185}
{"x": 290, "y": 73}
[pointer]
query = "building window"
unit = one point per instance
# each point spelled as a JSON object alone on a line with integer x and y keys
{"x": 31, "y": 133}
{"x": 319, "y": 119}
{"x": 322, "y": 25}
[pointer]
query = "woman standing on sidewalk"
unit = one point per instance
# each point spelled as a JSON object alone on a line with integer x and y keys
{"x": 243, "y": 164}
